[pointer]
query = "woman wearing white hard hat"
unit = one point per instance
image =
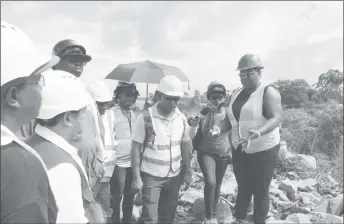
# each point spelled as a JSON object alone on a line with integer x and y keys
{"x": 62, "y": 128}
{"x": 103, "y": 97}
{"x": 255, "y": 113}
{"x": 26, "y": 196}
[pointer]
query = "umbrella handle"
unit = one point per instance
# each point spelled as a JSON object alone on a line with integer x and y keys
{"x": 146, "y": 92}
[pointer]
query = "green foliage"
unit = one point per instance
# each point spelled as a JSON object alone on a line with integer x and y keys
{"x": 319, "y": 129}
{"x": 330, "y": 129}
{"x": 294, "y": 93}
{"x": 299, "y": 128}
{"x": 330, "y": 85}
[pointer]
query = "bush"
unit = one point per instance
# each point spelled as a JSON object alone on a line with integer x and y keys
{"x": 330, "y": 129}
{"x": 299, "y": 128}
{"x": 318, "y": 129}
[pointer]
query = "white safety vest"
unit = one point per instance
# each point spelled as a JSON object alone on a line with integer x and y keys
{"x": 251, "y": 117}
{"x": 110, "y": 143}
{"x": 162, "y": 158}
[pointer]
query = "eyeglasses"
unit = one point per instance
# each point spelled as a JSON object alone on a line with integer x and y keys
{"x": 245, "y": 75}
{"x": 215, "y": 97}
{"x": 171, "y": 98}
{"x": 73, "y": 59}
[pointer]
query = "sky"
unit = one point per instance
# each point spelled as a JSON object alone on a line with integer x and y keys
{"x": 204, "y": 39}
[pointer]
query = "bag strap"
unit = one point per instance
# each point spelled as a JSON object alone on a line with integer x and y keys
{"x": 148, "y": 129}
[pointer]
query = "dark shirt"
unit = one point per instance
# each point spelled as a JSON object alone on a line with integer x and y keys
{"x": 240, "y": 101}
{"x": 218, "y": 144}
{"x": 26, "y": 196}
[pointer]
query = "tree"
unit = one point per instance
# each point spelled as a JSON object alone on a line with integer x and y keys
{"x": 330, "y": 85}
{"x": 294, "y": 93}
{"x": 196, "y": 99}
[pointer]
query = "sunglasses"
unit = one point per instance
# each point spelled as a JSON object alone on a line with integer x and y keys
{"x": 171, "y": 98}
{"x": 73, "y": 59}
{"x": 216, "y": 97}
{"x": 245, "y": 75}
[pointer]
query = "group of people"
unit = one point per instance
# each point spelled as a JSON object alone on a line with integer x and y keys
{"x": 246, "y": 134}
{"x": 78, "y": 153}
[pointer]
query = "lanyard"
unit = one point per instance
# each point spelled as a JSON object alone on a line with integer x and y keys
{"x": 128, "y": 118}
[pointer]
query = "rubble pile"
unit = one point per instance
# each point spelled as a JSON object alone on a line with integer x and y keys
{"x": 295, "y": 196}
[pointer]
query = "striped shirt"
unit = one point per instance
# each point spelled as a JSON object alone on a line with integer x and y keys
{"x": 124, "y": 121}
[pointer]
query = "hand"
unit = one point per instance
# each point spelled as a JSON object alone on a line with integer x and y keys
{"x": 194, "y": 121}
{"x": 187, "y": 179}
{"x": 253, "y": 134}
{"x": 137, "y": 186}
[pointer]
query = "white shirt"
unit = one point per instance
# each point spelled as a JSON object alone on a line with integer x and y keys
{"x": 65, "y": 181}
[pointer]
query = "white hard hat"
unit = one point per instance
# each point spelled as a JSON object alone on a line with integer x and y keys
{"x": 62, "y": 92}
{"x": 99, "y": 91}
{"x": 170, "y": 85}
{"x": 19, "y": 56}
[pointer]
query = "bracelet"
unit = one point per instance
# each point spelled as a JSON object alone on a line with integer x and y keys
{"x": 259, "y": 133}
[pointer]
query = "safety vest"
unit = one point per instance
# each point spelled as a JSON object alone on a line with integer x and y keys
{"x": 161, "y": 153}
{"x": 53, "y": 155}
{"x": 123, "y": 128}
{"x": 251, "y": 117}
{"x": 110, "y": 145}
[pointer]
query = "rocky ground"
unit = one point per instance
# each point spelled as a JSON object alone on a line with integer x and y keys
{"x": 297, "y": 195}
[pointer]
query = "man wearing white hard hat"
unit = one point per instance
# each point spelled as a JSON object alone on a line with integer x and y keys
{"x": 162, "y": 134}
{"x": 103, "y": 97}
{"x": 26, "y": 196}
{"x": 73, "y": 59}
{"x": 62, "y": 130}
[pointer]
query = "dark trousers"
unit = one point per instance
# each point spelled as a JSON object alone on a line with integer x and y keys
{"x": 120, "y": 187}
{"x": 213, "y": 168}
{"x": 159, "y": 198}
{"x": 253, "y": 173}
{"x": 101, "y": 192}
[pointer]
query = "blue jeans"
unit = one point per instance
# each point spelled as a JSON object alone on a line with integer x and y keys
{"x": 120, "y": 184}
{"x": 159, "y": 198}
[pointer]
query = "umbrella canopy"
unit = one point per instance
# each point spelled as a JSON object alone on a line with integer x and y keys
{"x": 145, "y": 72}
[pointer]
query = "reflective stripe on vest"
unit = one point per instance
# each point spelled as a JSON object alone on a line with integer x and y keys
{"x": 162, "y": 157}
{"x": 251, "y": 117}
